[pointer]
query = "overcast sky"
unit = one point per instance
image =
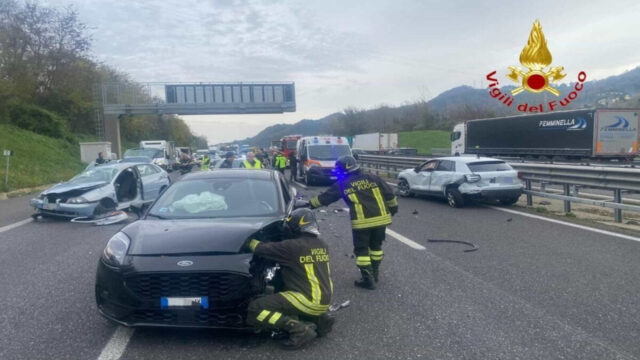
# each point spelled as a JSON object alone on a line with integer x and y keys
{"x": 350, "y": 53}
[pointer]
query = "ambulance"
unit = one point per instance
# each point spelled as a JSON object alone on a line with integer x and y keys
{"x": 317, "y": 156}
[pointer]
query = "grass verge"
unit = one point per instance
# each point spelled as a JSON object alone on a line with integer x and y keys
{"x": 37, "y": 159}
{"x": 424, "y": 140}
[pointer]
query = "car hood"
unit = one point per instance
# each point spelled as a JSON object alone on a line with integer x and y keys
{"x": 65, "y": 186}
{"x": 192, "y": 236}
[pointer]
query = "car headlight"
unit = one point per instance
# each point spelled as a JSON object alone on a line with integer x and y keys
{"x": 77, "y": 200}
{"x": 116, "y": 249}
{"x": 472, "y": 178}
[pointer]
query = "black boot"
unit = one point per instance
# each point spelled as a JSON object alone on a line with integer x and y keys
{"x": 300, "y": 333}
{"x": 375, "y": 266}
{"x": 324, "y": 324}
{"x": 366, "y": 282}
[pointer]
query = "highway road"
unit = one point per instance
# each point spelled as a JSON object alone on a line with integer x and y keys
{"x": 535, "y": 289}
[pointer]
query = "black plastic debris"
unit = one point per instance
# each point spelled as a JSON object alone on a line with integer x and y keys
{"x": 509, "y": 219}
{"x": 473, "y": 246}
{"x": 415, "y": 212}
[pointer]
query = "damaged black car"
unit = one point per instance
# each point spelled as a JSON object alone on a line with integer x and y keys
{"x": 184, "y": 264}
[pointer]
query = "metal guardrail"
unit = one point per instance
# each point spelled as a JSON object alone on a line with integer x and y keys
{"x": 614, "y": 179}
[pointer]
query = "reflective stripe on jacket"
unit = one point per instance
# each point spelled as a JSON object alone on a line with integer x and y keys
{"x": 370, "y": 199}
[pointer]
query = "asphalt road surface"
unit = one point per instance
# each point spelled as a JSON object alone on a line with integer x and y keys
{"x": 534, "y": 290}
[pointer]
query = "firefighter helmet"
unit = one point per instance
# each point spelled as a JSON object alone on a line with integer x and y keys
{"x": 303, "y": 221}
{"x": 347, "y": 164}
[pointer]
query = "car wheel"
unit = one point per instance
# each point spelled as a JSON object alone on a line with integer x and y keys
{"x": 307, "y": 180}
{"x": 454, "y": 198}
{"x": 105, "y": 205}
{"x": 509, "y": 201}
{"x": 404, "y": 189}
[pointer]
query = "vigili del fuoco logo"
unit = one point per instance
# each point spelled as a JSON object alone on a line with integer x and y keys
{"x": 538, "y": 77}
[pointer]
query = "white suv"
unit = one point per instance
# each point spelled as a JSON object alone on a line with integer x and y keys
{"x": 460, "y": 178}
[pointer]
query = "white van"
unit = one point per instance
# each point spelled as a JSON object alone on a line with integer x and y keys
{"x": 317, "y": 156}
{"x": 169, "y": 161}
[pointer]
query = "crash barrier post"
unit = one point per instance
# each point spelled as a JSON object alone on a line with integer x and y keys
{"x": 616, "y": 179}
{"x": 529, "y": 196}
{"x": 7, "y": 154}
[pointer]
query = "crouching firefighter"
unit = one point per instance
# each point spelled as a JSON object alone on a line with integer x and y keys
{"x": 301, "y": 308}
{"x": 371, "y": 204}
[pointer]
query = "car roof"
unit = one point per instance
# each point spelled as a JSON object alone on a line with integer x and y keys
{"x": 467, "y": 159}
{"x": 119, "y": 166}
{"x": 260, "y": 174}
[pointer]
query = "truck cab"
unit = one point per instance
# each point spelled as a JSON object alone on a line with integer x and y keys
{"x": 457, "y": 140}
{"x": 317, "y": 156}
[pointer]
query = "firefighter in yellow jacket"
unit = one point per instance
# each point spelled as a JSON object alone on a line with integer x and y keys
{"x": 371, "y": 204}
{"x": 301, "y": 307}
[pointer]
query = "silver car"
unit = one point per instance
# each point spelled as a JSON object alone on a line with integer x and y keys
{"x": 462, "y": 178}
{"x": 101, "y": 189}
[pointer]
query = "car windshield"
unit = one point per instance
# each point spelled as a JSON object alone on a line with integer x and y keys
{"x": 234, "y": 165}
{"x": 328, "y": 152}
{"x": 487, "y": 166}
{"x": 135, "y": 159}
{"x": 217, "y": 198}
{"x": 150, "y": 153}
{"x": 96, "y": 174}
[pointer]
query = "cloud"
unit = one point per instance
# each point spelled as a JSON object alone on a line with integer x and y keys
{"x": 352, "y": 53}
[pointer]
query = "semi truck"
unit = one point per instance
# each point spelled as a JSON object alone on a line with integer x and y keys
{"x": 375, "y": 142}
{"x": 573, "y": 134}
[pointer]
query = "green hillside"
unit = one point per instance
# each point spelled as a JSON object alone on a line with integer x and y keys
{"x": 424, "y": 140}
{"x": 37, "y": 159}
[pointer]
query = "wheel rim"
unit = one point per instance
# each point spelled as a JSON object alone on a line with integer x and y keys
{"x": 451, "y": 200}
{"x": 403, "y": 187}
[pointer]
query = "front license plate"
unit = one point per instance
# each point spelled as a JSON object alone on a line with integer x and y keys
{"x": 201, "y": 302}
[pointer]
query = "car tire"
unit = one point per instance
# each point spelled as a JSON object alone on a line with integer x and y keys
{"x": 307, "y": 179}
{"x": 404, "y": 189}
{"x": 105, "y": 205}
{"x": 509, "y": 201}
{"x": 454, "y": 198}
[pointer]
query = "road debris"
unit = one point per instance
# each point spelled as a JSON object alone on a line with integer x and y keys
{"x": 415, "y": 212}
{"x": 474, "y": 247}
{"x": 109, "y": 218}
{"x": 337, "y": 306}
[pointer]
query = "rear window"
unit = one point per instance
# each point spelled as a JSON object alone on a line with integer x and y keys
{"x": 487, "y": 166}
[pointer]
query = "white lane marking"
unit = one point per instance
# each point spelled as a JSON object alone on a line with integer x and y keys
{"x": 587, "y": 228}
{"x": 405, "y": 240}
{"x": 15, "y": 225}
{"x": 117, "y": 344}
{"x": 582, "y": 227}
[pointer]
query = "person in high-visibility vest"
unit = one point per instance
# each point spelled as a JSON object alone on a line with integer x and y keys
{"x": 251, "y": 162}
{"x": 280, "y": 163}
{"x": 371, "y": 205}
{"x": 206, "y": 163}
{"x": 301, "y": 307}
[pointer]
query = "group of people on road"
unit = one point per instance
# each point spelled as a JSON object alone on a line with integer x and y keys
{"x": 253, "y": 160}
{"x": 301, "y": 309}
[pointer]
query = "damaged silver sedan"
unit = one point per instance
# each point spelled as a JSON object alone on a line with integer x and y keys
{"x": 101, "y": 190}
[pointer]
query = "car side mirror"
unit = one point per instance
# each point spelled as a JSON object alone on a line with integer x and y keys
{"x": 416, "y": 169}
{"x": 298, "y": 204}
